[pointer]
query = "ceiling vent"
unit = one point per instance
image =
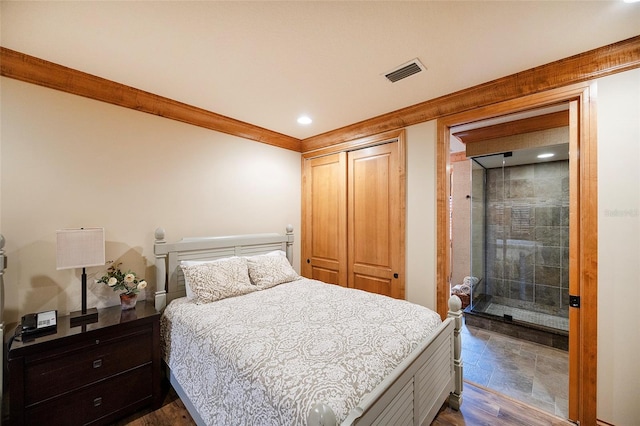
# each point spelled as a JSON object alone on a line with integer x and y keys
{"x": 405, "y": 70}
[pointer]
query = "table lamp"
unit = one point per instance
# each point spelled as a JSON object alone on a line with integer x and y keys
{"x": 80, "y": 248}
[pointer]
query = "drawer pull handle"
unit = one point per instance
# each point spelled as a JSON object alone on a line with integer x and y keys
{"x": 97, "y": 401}
{"x": 97, "y": 363}
{"x": 97, "y": 341}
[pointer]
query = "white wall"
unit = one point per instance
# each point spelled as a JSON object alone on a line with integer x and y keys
{"x": 67, "y": 161}
{"x": 421, "y": 214}
{"x": 460, "y": 221}
{"x": 619, "y": 248}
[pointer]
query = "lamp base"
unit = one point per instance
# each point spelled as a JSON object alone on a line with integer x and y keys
{"x": 77, "y": 318}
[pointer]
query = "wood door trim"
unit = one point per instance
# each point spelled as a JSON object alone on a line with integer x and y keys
{"x": 586, "y": 198}
{"x": 588, "y": 262}
{"x": 574, "y": 250}
{"x": 457, "y": 156}
{"x": 596, "y": 63}
{"x": 352, "y": 145}
{"x": 30, "y": 69}
{"x": 526, "y": 125}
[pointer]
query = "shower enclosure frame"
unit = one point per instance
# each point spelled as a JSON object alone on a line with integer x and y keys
{"x": 534, "y": 291}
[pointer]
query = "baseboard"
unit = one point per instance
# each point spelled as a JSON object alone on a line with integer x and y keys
{"x": 603, "y": 423}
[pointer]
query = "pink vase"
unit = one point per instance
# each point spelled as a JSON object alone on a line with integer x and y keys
{"x": 128, "y": 301}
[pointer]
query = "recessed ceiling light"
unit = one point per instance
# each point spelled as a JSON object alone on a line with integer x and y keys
{"x": 304, "y": 119}
{"x": 547, "y": 155}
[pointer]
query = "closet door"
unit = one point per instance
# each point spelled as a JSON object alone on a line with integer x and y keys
{"x": 324, "y": 212}
{"x": 376, "y": 208}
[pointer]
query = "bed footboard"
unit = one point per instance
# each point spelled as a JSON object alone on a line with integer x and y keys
{"x": 417, "y": 388}
{"x": 455, "y": 313}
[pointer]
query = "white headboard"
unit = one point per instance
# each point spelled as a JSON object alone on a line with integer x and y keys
{"x": 169, "y": 278}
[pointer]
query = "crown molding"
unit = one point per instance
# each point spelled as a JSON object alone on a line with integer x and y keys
{"x": 30, "y": 69}
{"x": 596, "y": 63}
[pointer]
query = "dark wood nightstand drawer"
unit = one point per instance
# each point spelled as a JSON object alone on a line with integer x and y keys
{"x": 91, "y": 374}
{"x": 99, "y": 402}
{"x": 58, "y": 374}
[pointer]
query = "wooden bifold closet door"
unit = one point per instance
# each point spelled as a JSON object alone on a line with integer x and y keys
{"x": 353, "y": 219}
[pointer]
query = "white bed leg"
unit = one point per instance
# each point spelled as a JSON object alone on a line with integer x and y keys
{"x": 455, "y": 312}
{"x": 321, "y": 415}
{"x": 161, "y": 273}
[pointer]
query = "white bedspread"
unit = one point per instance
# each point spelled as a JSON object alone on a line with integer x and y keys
{"x": 266, "y": 357}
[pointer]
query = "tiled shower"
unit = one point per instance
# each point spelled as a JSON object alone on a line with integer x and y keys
{"x": 520, "y": 242}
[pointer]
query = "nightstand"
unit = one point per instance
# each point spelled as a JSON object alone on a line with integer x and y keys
{"x": 96, "y": 373}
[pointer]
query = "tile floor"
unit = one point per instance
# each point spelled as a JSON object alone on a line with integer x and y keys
{"x": 535, "y": 374}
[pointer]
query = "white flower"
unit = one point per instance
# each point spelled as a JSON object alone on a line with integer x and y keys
{"x": 129, "y": 278}
{"x": 142, "y": 284}
{"x": 112, "y": 281}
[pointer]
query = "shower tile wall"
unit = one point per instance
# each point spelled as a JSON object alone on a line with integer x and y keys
{"x": 528, "y": 237}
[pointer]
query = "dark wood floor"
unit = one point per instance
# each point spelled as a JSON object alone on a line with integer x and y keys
{"x": 480, "y": 406}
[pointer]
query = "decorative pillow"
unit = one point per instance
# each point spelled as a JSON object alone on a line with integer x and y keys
{"x": 218, "y": 279}
{"x": 268, "y": 270}
{"x": 187, "y": 287}
{"x": 190, "y": 295}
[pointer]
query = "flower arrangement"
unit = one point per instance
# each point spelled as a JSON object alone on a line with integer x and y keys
{"x": 126, "y": 281}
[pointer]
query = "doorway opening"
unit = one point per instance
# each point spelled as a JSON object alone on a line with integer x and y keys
{"x": 516, "y": 256}
{"x": 582, "y": 352}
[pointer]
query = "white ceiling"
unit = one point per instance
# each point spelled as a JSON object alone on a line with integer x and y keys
{"x": 266, "y": 63}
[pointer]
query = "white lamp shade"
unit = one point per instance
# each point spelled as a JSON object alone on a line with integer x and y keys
{"x": 79, "y": 248}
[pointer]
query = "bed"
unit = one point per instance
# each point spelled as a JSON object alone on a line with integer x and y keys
{"x": 282, "y": 349}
